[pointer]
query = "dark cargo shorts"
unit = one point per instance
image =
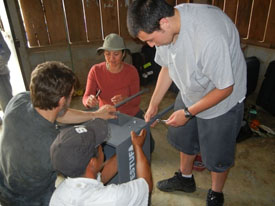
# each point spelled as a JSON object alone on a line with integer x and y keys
{"x": 214, "y": 138}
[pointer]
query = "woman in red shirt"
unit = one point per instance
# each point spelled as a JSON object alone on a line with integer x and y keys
{"x": 113, "y": 80}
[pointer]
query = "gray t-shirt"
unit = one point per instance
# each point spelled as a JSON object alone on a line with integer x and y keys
{"x": 206, "y": 55}
{"x": 26, "y": 173}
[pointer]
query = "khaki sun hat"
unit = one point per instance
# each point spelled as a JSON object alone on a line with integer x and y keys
{"x": 113, "y": 42}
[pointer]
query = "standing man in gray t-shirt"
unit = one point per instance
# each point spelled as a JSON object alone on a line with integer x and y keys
{"x": 198, "y": 47}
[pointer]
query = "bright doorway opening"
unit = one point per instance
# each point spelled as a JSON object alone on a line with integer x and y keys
{"x": 16, "y": 77}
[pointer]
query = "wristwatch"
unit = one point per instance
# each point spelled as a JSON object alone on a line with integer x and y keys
{"x": 187, "y": 114}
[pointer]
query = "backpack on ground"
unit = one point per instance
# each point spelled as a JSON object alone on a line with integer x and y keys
{"x": 266, "y": 96}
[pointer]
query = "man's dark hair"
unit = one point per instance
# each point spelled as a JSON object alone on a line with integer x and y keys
{"x": 49, "y": 82}
{"x": 144, "y": 15}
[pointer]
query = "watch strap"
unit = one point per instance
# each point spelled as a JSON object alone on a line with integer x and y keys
{"x": 187, "y": 113}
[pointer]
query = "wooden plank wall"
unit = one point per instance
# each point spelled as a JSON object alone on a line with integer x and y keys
{"x": 123, "y": 6}
{"x": 75, "y": 20}
{"x": 230, "y": 7}
{"x": 243, "y": 17}
{"x": 254, "y": 19}
{"x": 34, "y": 21}
{"x": 218, "y": 3}
{"x": 55, "y": 19}
{"x": 270, "y": 28}
{"x": 172, "y": 2}
{"x": 91, "y": 20}
{"x": 109, "y": 16}
{"x": 257, "y": 28}
{"x": 184, "y": 1}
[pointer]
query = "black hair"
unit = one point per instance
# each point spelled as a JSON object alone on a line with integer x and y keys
{"x": 144, "y": 15}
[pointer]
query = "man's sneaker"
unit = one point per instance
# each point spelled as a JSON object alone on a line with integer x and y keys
{"x": 178, "y": 182}
{"x": 214, "y": 198}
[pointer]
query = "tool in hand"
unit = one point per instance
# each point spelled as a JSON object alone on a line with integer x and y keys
{"x": 98, "y": 92}
{"x": 162, "y": 120}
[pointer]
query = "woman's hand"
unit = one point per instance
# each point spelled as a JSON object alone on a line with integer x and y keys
{"x": 117, "y": 99}
{"x": 91, "y": 101}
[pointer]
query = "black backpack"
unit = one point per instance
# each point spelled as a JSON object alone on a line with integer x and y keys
{"x": 148, "y": 69}
{"x": 253, "y": 67}
{"x": 266, "y": 96}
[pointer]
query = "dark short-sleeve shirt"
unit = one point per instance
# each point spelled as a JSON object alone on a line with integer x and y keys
{"x": 26, "y": 173}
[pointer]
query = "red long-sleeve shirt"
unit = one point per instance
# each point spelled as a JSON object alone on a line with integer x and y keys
{"x": 125, "y": 83}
